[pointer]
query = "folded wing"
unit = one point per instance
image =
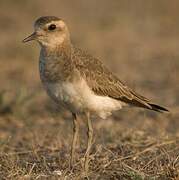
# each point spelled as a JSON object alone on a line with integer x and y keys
{"x": 104, "y": 83}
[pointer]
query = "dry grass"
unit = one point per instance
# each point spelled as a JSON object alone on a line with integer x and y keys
{"x": 139, "y": 41}
{"x": 38, "y": 148}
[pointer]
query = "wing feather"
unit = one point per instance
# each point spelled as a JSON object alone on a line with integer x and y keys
{"x": 104, "y": 83}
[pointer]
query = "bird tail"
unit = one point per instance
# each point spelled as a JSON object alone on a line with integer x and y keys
{"x": 158, "y": 108}
{"x": 143, "y": 102}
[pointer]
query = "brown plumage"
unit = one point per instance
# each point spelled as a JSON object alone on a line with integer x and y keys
{"x": 78, "y": 81}
{"x": 104, "y": 83}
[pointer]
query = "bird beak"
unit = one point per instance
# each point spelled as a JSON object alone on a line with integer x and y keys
{"x": 33, "y": 36}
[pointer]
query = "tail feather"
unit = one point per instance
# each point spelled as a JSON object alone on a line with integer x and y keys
{"x": 141, "y": 101}
{"x": 145, "y": 104}
{"x": 158, "y": 108}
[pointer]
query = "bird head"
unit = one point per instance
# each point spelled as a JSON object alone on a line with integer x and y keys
{"x": 49, "y": 31}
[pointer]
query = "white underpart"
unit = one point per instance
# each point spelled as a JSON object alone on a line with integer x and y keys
{"x": 77, "y": 97}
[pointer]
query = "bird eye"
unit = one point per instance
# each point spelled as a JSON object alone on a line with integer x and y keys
{"x": 52, "y": 27}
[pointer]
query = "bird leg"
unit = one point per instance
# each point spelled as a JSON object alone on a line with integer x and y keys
{"x": 90, "y": 138}
{"x": 75, "y": 138}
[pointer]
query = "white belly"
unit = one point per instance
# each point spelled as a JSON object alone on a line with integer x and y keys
{"x": 77, "y": 97}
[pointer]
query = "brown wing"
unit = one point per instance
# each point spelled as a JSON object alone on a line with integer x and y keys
{"x": 105, "y": 83}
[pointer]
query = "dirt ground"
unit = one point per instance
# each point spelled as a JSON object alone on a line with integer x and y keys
{"x": 139, "y": 41}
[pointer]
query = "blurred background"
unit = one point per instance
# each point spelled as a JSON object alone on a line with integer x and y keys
{"x": 138, "y": 40}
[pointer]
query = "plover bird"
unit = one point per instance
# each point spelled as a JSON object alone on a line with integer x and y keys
{"x": 78, "y": 81}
